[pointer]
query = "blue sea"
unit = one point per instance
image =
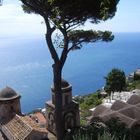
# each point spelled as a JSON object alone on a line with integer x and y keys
{"x": 25, "y": 65}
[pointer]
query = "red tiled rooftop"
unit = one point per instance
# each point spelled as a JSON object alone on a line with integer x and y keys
{"x": 40, "y": 117}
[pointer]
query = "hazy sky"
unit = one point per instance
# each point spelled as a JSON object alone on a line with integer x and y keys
{"x": 14, "y": 22}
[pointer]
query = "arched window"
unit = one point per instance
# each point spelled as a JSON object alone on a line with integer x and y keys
{"x": 51, "y": 121}
{"x": 70, "y": 120}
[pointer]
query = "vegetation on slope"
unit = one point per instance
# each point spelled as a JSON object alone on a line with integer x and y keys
{"x": 133, "y": 85}
{"x": 111, "y": 130}
{"x": 87, "y": 102}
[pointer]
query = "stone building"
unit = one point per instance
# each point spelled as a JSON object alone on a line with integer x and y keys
{"x": 14, "y": 125}
{"x": 70, "y": 109}
{"x": 9, "y": 104}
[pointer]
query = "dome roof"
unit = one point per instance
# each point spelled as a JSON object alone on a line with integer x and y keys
{"x": 8, "y": 94}
{"x": 64, "y": 83}
{"x": 65, "y": 86}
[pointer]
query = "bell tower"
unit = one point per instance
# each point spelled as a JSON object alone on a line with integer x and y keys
{"x": 70, "y": 109}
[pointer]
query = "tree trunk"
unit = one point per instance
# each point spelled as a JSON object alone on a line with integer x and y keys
{"x": 58, "y": 101}
{"x": 57, "y": 72}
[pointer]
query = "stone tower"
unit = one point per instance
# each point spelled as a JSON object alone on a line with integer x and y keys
{"x": 9, "y": 104}
{"x": 70, "y": 109}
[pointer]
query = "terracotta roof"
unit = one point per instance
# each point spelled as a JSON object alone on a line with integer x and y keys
{"x": 40, "y": 117}
{"x": 16, "y": 129}
{"x": 33, "y": 124}
{"x": 37, "y": 127}
{"x": 19, "y": 128}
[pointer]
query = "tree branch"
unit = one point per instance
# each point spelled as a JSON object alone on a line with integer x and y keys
{"x": 66, "y": 43}
{"x": 36, "y": 9}
{"x": 52, "y": 50}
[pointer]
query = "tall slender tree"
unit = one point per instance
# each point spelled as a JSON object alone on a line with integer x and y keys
{"x": 65, "y": 16}
{"x": 115, "y": 81}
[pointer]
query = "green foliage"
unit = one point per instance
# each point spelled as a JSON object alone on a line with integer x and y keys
{"x": 77, "y": 37}
{"x": 115, "y": 81}
{"x": 79, "y": 99}
{"x": 135, "y": 132}
{"x": 117, "y": 128}
{"x": 67, "y": 15}
{"x": 88, "y": 101}
{"x": 107, "y": 136}
{"x": 98, "y": 131}
{"x": 83, "y": 121}
{"x": 76, "y": 11}
{"x": 133, "y": 85}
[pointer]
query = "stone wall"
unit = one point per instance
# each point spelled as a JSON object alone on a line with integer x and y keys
{"x": 37, "y": 135}
{"x": 8, "y": 109}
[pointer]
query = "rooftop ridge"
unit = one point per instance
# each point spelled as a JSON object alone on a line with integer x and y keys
{"x": 16, "y": 129}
